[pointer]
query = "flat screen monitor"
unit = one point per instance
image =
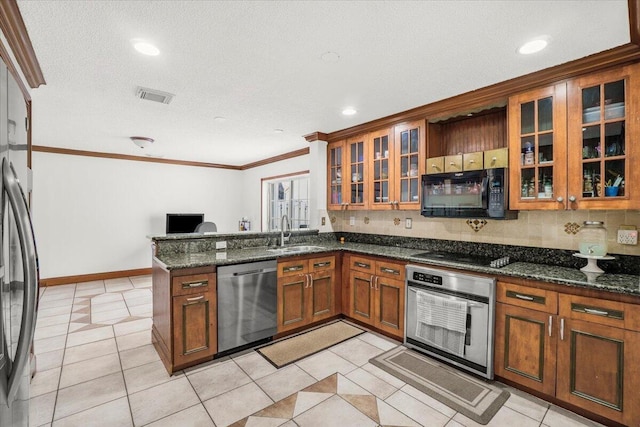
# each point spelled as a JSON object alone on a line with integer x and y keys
{"x": 183, "y": 222}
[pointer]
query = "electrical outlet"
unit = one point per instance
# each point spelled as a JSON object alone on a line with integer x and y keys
{"x": 323, "y": 221}
{"x": 352, "y": 220}
{"x": 408, "y": 223}
{"x": 628, "y": 237}
{"x": 221, "y": 245}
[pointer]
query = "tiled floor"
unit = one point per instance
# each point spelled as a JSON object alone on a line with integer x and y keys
{"x": 97, "y": 367}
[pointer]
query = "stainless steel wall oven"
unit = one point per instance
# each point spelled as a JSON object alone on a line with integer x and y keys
{"x": 450, "y": 316}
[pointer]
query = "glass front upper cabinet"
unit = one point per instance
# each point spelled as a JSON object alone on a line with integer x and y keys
{"x": 356, "y": 168}
{"x": 603, "y": 140}
{"x": 380, "y": 162}
{"x": 336, "y": 191}
{"x": 537, "y": 131}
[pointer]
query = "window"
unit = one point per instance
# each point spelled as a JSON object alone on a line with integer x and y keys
{"x": 286, "y": 196}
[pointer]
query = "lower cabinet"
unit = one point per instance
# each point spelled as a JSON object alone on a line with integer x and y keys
{"x": 377, "y": 293}
{"x": 184, "y": 328}
{"x": 306, "y": 290}
{"x": 583, "y": 350}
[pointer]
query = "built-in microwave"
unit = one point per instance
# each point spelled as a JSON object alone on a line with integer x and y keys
{"x": 472, "y": 194}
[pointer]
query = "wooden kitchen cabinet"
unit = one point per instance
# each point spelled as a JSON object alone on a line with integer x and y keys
{"x": 599, "y": 357}
{"x": 582, "y": 350}
{"x": 379, "y": 170}
{"x": 538, "y": 149}
{"x": 569, "y": 141}
{"x": 377, "y": 293}
{"x": 306, "y": 290}
{"x": 603, "y": 143}
{"x": 184, "y": 330}
{"x": 525, "y": 345}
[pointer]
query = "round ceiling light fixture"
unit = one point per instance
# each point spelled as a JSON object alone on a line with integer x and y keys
{"x": 145, "y": 48}
{"x": 349, "y": 111}
{"x": 142, "y": 141}
{"x": 533, "y": 46}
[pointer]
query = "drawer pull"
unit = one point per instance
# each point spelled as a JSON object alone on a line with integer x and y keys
{"x": 390, "y": 271}
{"x": 610, "y": 314}
{"x": 192, "y": 300}
{"x": 293, "y": 268}
{"x": 596, "y": 312}
{"x": 199, "y": 284}
{"x": 322, "y": 264}
{"x": 531, "y": 298}
{"x": 361, "y": 265}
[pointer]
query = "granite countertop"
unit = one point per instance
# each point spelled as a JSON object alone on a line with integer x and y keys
{"x": 619, "y": 283}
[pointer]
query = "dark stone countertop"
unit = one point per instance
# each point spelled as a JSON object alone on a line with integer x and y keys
{"x": 618, "y": 283}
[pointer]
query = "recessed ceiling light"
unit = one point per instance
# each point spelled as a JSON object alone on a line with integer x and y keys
{"x": 349, "y": 111}
{"x": 330, "y": 57}
{"x": 533, "y": 46}
{"x": 145, "y": 48}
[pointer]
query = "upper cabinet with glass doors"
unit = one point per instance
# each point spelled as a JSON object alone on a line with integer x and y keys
{"x": 603, "y": 149}
{"x": 346, "y": 173}
{"x": 538, "y": 144}
{"x": 409, "y": 163}
{"x": 380, "y": 157}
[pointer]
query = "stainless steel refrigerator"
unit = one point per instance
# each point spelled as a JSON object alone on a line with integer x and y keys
{"x": 18, "y": 259}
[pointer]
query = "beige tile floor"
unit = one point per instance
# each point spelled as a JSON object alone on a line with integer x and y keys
{"x": 97, "y": 367}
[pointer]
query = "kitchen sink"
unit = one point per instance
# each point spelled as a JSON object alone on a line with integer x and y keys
{"x": 294, "y": 249}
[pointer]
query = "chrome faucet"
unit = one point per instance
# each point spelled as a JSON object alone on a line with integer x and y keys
{"x": 284, "y": 221}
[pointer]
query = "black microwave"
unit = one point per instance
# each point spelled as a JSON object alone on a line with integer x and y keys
{"x": 471, "y": 194}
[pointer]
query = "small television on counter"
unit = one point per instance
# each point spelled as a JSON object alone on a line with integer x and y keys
{"x": 183, "y": 222}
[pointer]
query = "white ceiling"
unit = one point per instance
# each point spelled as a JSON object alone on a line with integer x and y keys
{"x": 258, "y": 64}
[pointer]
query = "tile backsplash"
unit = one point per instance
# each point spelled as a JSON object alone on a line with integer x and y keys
{"x": 544, "y": 229}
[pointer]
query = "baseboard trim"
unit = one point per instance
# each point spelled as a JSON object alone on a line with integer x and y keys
{"x": 65, "y": 280}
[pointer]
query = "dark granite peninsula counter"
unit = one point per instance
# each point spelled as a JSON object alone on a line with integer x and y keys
{"x": 622, "y": 275}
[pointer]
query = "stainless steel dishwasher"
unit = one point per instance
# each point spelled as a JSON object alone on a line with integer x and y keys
{"x": 247, "y": 304}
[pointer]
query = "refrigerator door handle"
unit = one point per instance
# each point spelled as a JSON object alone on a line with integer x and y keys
{"x": 29, "y": 259}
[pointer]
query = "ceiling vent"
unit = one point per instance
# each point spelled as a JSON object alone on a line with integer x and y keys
{"x": 154, "y": 95}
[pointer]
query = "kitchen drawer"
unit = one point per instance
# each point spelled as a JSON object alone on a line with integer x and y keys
{"x": 292, "y": 268}
{"x": 391, "y": 270}
{"x": 192, "y": 284}
{"x": 603, "y": 312}
{"x": 498, "y": 158}
{"x": 322, "y": 264}
{"x": 472, "y": 161}
{"x": 524, "y": 296}
{"x": 435, "y": 165}
{"x": 365, "y": 265}
{"x": 453, "y": 163}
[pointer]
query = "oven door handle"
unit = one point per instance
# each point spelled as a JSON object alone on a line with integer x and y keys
{"x": 469, "y": 303}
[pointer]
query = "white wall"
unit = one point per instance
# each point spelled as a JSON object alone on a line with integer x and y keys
{"x": 92, "y": 215}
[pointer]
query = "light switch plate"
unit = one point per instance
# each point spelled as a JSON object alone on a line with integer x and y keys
{"x": 324, "y": 221}
{"x": 352, "y": 220}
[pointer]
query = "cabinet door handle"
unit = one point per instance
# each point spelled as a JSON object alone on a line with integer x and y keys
{"x": 190, "y": 285}
{"x": 451, "y": 163}
{"x": 561, "y": 329}
{"x": 550, "y": 324}
{"x": 524, "y": 297}
{"x": 472, "y": 161}
{"x": 310, "y": 280}
{"x": 377, "y": 285}
{"x": 371, "y": 282}
{"x": 192, "y": 300}
{"x": 572, "y": 199}
{"x": 596, "y": 312}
